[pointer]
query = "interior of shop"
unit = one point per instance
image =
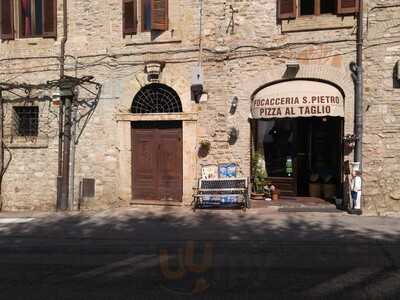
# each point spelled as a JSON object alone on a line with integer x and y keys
{"x": 303, "y": 156}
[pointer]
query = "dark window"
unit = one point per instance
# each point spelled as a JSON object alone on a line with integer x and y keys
{"x": 146, "y": 15}
{"x": 38, "y": 18}
{"x": 153, "y": 16}
{"x": 290, "y": 9}
{"x": 129, "y": 17}
{"x": 307, "y": 7}
{"x": 26, "y": 120}
{"x": 7, "y": 19}
{"x": 328, "y": 6}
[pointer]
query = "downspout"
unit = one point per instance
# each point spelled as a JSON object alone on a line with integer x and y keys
{"x": 1, "y": 148}
{"x": 201, "y": 34}
{"x": 358, "y": 126}
{"x": 61, "y": 109}
{"x": 71, "y": 193}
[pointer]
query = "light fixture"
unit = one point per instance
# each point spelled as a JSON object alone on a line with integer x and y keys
{"x": 234, "y": 104}
{"x": 197, "y": 88}
{"x": 233, "y": 135}
{"x": 292, "y": 65}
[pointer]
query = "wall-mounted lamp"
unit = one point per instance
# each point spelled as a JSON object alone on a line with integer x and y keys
{"x": 197, "y": 83}
{"x": 233, "y": 135}
{"x": 396, "y": 75}
{"x": 293, "y": 65}
{"x": 234, "y": 104}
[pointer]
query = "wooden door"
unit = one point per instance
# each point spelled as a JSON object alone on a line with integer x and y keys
{"x": 157, "y": 161}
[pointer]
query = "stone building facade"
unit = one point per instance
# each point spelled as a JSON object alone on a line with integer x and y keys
{"x": 242, "y": 47}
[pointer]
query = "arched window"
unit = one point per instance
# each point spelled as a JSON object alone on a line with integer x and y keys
{"x": 156, "y": 98}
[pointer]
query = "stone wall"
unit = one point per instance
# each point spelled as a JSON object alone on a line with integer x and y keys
{"x": 241, "y": 51}
{"x": 382, "y": 109}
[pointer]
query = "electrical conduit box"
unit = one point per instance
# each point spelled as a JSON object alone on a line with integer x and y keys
{"x": 197, "y": 83}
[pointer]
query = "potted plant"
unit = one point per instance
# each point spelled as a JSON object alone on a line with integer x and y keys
{"x": 259, "y": 176}
{"x": 204, "y": 148}
{"x": 329, "y": 187}
{"x": 314, "y": 186}
{"x": 275, "y": 194}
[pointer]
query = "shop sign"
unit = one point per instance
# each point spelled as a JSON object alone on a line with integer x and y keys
{"x": 298, "y": 98}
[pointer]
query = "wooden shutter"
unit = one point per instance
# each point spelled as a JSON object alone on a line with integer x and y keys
{"x": 348, "y": 6}
{"x": 129, "y": 22}
{"x": 159, "y": 15}
{"x": 50, "y": 18}
{"x": 7, "y": 19}
{"x": 286, "y": 9}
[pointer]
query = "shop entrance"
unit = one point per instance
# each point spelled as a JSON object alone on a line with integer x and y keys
{"x": 303, "y": 156}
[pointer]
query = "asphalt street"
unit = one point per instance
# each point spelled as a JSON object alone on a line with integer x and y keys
{"x": 174, "y": 253}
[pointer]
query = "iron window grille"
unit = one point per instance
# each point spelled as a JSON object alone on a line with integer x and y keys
{"x": 156, "y": 98}
{"x": 26, "y": 120}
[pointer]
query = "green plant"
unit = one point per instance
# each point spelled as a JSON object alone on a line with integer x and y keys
{"x": 259, "y": 172}
{"x": 205, "y": 144}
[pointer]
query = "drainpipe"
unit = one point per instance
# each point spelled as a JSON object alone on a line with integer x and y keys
{"x": 1, "y": 147}
{"x": 71, "y": 197}
{"x": 201, "y": 34}
{"x": 60, "y": 180}
{"x": 358, "y": 126}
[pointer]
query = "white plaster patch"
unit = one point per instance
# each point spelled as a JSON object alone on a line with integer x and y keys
{"x": 15, "y": 220}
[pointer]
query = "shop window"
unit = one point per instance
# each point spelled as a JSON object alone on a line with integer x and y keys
{"x": 290, "y": 9}
{"x": 26, "y": 120}
{"x": 275, "y": 141}
{"x": 153, "y": 16}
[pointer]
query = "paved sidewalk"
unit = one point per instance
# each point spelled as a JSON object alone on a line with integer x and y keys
{"x": 180, "y": 223}
{"x": 175, "y": 253}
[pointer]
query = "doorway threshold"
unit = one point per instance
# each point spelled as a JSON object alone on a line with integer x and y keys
{"x": 156, "y": 202}
{"x": 332, "y": 209}
{"x": 294, "y": 203}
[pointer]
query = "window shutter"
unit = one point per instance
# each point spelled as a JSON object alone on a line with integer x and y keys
{"x": 129, "y": 23}
{"x": 286, "y": 9}
{"x": 7, "y": 20}
{"x": 50, "y": 18}
{"x": 159, "y": 15}
{"x": 348, "y": 6}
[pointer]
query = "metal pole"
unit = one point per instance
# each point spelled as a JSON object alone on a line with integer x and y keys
{"x": 61, "y": 110}
{"x": 358, "y": 126}
{"x": 71, "y": 197}
{"x": 66, "y": 153}
{"x": 1, "y": 145}
{"x": 60, "y": 152}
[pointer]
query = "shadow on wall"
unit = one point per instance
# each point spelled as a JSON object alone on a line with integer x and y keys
{"x": 172, "y": 252}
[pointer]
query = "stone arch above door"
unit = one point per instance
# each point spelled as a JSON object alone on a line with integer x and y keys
{"x": 336, "y": 76}
{"x": 172, "y": 78}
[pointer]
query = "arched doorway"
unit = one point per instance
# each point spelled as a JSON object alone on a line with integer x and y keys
{"x": 157, "y": 146}
{"x": 298, "y": 130}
